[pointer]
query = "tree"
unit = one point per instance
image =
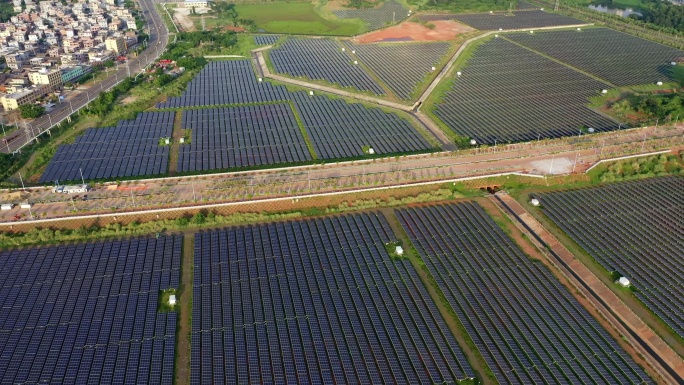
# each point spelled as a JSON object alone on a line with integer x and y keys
{"x": 108, "y": 63}
{"x": 162, "y": 80}
{"x": 31, "y": 111}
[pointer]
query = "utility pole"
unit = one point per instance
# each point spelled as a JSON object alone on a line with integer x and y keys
{"x": 557, "y": 6}
{"x": 22, "y": 182}
{"x": 82, "y": 180}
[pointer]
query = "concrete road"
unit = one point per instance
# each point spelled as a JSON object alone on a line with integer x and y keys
{"x": 158, "y": 40}
{"x": 553, "y": 157}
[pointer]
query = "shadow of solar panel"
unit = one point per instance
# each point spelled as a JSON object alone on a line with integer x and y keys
{"x": 316, "y": 301}
{"x": 527, "y": 326}
{"x": 129, "y": 149}
{"x": 85, "y": 313}
{"x": 640, "y": 238}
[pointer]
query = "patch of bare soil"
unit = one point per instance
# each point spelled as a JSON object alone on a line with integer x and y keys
{"x": 443, "y": 30}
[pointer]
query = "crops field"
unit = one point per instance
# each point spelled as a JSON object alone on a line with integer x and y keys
{"x": 621, "y": 59}
{"x": 297, "y": 18}
{"x": 343, "y": 130}
{"x": 634, "y": 229}
{"x": 321, "y": 59}
{"x": 226, "y": 82}
{"x": 316, "y": 301}
{"x": 507, "y": 93}
{"x": 87, "y": 313}
{"x": 130, "y": 149}
{"x": 242, "y": 136}
{"x": 401, "y": 66}
{"x": 528, "y": 327}
{"x": 502, "y": 21}
{"x": 390, "y": 12}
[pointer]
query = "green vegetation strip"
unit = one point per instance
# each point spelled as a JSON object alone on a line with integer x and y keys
{"x": 302, "y": 130}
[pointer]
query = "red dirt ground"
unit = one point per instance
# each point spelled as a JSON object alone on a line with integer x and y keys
{"x": 234, "y": 29}
{"x": 410, "y": 31}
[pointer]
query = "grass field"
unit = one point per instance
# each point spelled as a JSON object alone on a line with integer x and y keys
{"x": 296, "y": 18}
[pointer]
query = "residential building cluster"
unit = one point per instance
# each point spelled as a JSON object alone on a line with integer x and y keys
{"x": 50, "y": 43}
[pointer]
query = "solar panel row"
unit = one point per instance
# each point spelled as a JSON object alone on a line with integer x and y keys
{"x": 635, "y": 229}
{"x": 241, "y": 137}
{"x": 507, "y": 93}
{"x": 316, "y": 301}
{"x": 620, "y": 58}
{"x": 389, "y": 12}
{"x": 506, "y": 21}
{"x": 226, "y": 82}
{"x": 321, "y": 59}
{"x": 528, "y": 327}
{"x": 342, "y": 130}
{"x": 129, "y": 149}
{"x": 87, "y": 313}
{"x": 266, "y": 39}
{"x": 400, "y": 66}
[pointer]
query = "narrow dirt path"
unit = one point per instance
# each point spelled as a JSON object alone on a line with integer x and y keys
{"x": 175, "y": 142}
{"x": 184, "y": 293}
{"x": 457, "y": 329}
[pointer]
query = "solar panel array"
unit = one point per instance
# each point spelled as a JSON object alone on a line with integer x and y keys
{"x": 341, "y": 130}
{"x": 316, "y": 301}
{"x": 241, "y": 137}
{"x": 129, "y": 149}
{"x": 321, "y": 59}
{"x": 388, "y": 13}
{"x": 508, "y": 93}
{"x": 635, "y": 229}
{"x": 266, "y": 39}
{"x": 496, "y": 21}
{"x": 226, "y": 82}
{"x": 244, "y": 136}
{"x": 622, "y": 59}
{"x": 528, "y": 327}
{"x": 400, "y": 66}
{"x": 87, "y": 313}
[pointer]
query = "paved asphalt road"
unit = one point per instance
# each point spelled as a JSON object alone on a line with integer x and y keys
{"x": 158, "y": 39}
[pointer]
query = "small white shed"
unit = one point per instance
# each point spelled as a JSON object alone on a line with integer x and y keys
{"x": 399, "y": 250}
{"x": 624, "y": 281}
{"x": 172, "y": 299}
